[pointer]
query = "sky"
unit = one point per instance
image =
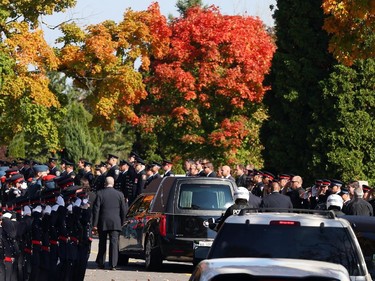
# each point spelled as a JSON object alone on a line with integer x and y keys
{"x": 88, "y": 12}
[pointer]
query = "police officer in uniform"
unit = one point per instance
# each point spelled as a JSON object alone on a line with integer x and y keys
{"x": 81, "y": 171}
{"x": 10, "y": 246}
{"x": 114, "y": 170}
{"x": 45, "y": 238}
{"x": 53, "y": 170}
{"x": 88, "y": 175}
{"x": 69, "y": 169}
{"x": 36, "y": 232}
{"x": 241, "y": 201}
{"x": 121, "y": 180}
{"x": 167, "y": 167}
{"x": 154, "y": 168}
{"x": 141, "y": 177}
{"x": 85, "y": 239}
{"x": 100, "y": 180}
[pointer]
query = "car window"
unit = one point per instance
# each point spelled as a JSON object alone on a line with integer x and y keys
{"x": 328, "y": 244}
{"x": 205, "y": 196}
{"x": 142, "y": 204}
{"x": 145, "y": 203}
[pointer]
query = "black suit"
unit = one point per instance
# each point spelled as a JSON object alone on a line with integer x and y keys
{"x": 242, "y": 181}
{"x": 201, "y": 173}
{"x": 212, "y": 175}
{"x": 108, "y": 217}
{"x": 254, "y": 201}
{"x": 277, "y": 200}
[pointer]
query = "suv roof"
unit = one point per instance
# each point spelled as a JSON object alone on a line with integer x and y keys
{"x": 314, "y": 219}
{"x": 268, "y": 269}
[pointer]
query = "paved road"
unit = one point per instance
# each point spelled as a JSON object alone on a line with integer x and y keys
{"x": 136, "y": 271}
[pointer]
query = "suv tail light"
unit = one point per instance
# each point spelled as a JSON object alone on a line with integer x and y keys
{"x": 290, "y": 223}
{"x": 163, "y": 225}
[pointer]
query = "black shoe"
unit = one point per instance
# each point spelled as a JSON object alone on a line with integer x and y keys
{"x": 113, "y": 268}
{"x": 101, "y": 266}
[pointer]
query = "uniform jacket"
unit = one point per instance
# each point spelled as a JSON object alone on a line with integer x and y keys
{"x": 114, "y": 172}
{"x": 169, "y": 174}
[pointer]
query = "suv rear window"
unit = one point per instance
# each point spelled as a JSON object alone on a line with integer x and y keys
{"x": 329, "y": 244}
{"x": 205, "y": 197}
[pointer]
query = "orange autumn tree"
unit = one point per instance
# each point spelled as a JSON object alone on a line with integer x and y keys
{"x": 103, "y": 59}
{"x": 206, "y": 92}
{"x": 352, "y": 25}
{"x": 29, "y": 109}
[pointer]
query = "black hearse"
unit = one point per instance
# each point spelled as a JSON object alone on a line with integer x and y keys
{"x": 169, "y": 219}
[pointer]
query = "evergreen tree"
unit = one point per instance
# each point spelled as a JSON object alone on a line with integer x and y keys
{"x": 345, "y": 122}
{"x": 184, "y": 5}
{"x": 118, "y": 141}
{"x": 300, "y": 62}
{"x": 79, "y": 139}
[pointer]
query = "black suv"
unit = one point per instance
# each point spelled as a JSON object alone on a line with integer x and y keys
{"x": 315, "y": 236}
{"x": 170, "y": 217}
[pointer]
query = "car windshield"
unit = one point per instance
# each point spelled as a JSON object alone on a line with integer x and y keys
{"x": 328, "y": 244}
{"x": 205, "y": 197}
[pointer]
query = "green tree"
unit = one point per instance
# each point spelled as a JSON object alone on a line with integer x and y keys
{"x": 184, "y": 5}
{"x": 118, "y": 141}
{"x": 78, "y": 138}
{"x": 346, "y": 121}
{"x": 300, "y": 62}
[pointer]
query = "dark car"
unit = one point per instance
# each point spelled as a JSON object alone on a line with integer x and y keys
{"x": 170, "y": 217}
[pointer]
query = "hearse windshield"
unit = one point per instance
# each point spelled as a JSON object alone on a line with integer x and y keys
{"x": 205, "y": 196}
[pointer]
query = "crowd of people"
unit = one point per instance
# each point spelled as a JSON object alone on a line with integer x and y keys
{"x": 50, "y": 210}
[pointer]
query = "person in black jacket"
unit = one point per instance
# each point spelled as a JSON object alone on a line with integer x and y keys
{"x": 84, "y": 246}
{"x": 358, "y": 206}
{"x": 167, "y": 167}
{"x": 10, "y": 246}
{"x": 275, "y": 199}
{"x": 81, "y": 171}
{"x": 114, "y": 170}
{"x": 108, "y": 218}
{"x": 141, "y": 177}
{"x": 36, "y": 234}
{"x": 89, "y": 176}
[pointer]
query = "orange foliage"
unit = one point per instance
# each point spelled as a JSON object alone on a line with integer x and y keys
{"x": 231, "y": 133}
{"x": 105, "y": 62}
{"x": 229, "y": 53}
{"x": 216, "y": 66}
{"x": 33, "y": 59}
{"x": 352, "y": 25}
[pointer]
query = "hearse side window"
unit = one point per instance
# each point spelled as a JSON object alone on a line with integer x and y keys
{"x": 145, "y": 204}
{"x": 205, "y": 197}
{"x": 134, "y": 207}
